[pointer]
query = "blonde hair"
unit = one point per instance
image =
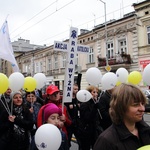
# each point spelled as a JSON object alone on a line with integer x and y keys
{"x": 90, "y": 88}
{"x": 122, "y": 97}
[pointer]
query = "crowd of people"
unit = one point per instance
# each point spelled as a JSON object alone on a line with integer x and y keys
{"x": 111, "y": 119}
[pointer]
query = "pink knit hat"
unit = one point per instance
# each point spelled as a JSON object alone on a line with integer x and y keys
{"x": 50, "y": 109}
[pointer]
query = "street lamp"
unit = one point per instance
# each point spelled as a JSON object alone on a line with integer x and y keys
{"x": 105, "y": 33}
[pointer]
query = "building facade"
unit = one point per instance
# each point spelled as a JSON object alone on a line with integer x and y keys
{"x": 142, "y": 11}
{"x": 122, "y": 50}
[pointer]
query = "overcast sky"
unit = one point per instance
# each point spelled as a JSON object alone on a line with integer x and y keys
{"x": 44, "y": 21}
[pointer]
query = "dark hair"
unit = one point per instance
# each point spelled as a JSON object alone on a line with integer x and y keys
{"x": 27, "y": 93}
{"x": 122, "y": 97}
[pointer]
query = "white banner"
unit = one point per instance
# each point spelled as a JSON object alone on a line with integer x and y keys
{"x": 6, "y": 50}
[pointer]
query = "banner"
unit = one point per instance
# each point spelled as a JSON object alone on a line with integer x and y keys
{"x": 6, "y": 50}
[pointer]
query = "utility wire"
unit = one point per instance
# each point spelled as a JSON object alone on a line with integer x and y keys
{"x": 34, "y": 16}
{"x": 80, "y": 25}
{"x": 44, "y": 18}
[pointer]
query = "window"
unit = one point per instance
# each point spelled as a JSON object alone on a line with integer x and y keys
{"x": 29, "y": 68}
{"x": 49, "y": 64}
{"x": 55, "y": 62}
{"x": 41, "y": 67}
{"x": 36, "y": 67}
{"x": 91, "y": 56}
{"x": 148, "y": 34}
{"x": 63, "y": 60}
{"x": 122, "y": 46}
{"x": 110, "y": 49}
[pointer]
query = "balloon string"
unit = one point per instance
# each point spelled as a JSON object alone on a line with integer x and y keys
{"x": 98, "y": 110}
{"x": 5, "y": 106}
{"x": 85, "y": 97}
{"x": 11, "y": 106}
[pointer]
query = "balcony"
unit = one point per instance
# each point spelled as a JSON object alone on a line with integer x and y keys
{"x": 118, "y": 59}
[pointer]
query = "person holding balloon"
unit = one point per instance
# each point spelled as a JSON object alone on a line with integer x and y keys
{"x": 128, "y": 130}
{"x": 90, "y": 117}
{"x": 34, "y": 107}
{"x": 53, "y": 96}
{"x": 15, "y": 126}
{"x": 51, "y": 115}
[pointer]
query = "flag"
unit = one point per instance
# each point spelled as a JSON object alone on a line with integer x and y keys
{"x": 6, "y": 50}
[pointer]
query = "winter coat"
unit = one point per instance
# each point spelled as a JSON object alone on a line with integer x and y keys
{"x": 36, "y": 107}
{"x": 74, "y": 111}
{"x": 104, "y": 102}
{"x": 15, "y": 135}
{"x": 90, "y": 120}
{"x": 118, "y": 137}
{"x": 64, "y": 142}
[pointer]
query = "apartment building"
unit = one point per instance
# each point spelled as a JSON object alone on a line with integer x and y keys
{"x": 142, "y": 13}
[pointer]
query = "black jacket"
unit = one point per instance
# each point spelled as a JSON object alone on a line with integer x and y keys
{"x": 90, "y": 119}
{"x": 104, "y": 102}
{"x": 118, "y": 137}
{"x": 14, "y": 135}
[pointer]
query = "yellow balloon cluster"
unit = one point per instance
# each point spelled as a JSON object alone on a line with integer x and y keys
{"x": 4, "y": 83}
{"x": 29, "y": 84}
{"x": 134, "y": 77}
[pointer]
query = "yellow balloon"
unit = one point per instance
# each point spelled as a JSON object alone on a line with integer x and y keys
{"x": 4, "y": 83}
{"x": 146, "y": 147}
{"x": 134, "y": 77}
{"x": 118, "y": 83}
{"x": 29, "y": 84}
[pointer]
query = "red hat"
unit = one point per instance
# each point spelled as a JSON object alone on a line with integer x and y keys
{"x": 52, "y": 89}
{"x": 50, "y": 109}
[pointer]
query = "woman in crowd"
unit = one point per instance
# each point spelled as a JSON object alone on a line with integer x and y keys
{"x": 128, "y": 130}
{"x": 14, "y": 128}
{"x": 90, "y": 120}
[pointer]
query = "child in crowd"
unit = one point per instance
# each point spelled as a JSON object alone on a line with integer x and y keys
{"x": 52, "y": 114}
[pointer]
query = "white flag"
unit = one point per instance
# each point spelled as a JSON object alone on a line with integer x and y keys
{"x": 6, "y": 50}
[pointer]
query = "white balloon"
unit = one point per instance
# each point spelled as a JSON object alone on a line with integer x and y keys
{"x": 16, "y": 81}
{"x": 109, "y": 80}
{"x": 48, "y": 137}
{"x": 40, "y": 80}
{"x": 84, "y": 95}
{"x": 146, "y": 75}
{"x": 122, "y": 75}
{"x": 93, "y": 76}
